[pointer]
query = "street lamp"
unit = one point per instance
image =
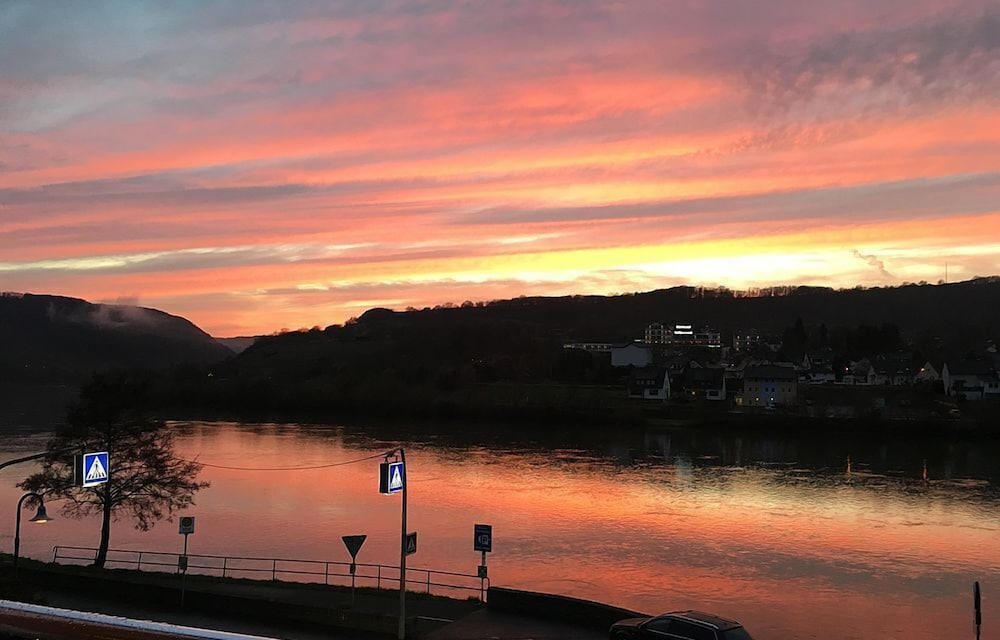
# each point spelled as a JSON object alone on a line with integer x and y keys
{"x": 40, "y": 516}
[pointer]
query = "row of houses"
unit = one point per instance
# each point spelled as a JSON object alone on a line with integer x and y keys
{"x": 964, "y": 378}
{"x": 676, "y": 361}
{"x": 760, "y": 385}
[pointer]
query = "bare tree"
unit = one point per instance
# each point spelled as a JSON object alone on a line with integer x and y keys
{"x": 147, "y": 481}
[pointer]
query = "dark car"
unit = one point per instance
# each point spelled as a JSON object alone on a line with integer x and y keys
{"x": 682, "y": 625}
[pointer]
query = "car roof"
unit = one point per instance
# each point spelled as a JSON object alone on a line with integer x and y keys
{"x": 717, "y": 622}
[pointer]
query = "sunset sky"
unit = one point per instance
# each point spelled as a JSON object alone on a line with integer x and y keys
{"x": 258, "y": 166}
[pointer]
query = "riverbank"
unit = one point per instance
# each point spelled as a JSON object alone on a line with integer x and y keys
{"x": 580, "y": 406}
{"x": 552, "y": 408}
{"x": 639, "y": 419}
{"x": 306, "y": 606}
{"x": 290, "y": 610}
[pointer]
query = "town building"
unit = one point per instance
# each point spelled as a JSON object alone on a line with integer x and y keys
{"x": 656, "y": 333}
{"x": 930, "y": 372}
{"x": 860, "y": 372}
{"x": 705, "y": 383}
{"x": 769, "y": 386}
{"x": 649, "y": 383}
{"x": 896, "y": 370}
{"x": 631, "y": 354}
{"x": 591, "y": 347}
{"x": 969, "y": 379}
{"x": 683, "y": 335}
{"x": 746, "y": 339}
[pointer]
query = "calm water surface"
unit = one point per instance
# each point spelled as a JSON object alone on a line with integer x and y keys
{"x": 781, "y": 533}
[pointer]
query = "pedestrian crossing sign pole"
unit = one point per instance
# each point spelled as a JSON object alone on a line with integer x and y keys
{"x": 185, "y": 527}
{"x": 91, "y": 469}
{"x": 392, "y": 480}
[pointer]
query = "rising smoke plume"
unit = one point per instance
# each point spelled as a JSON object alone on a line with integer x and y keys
{"x": 875, "y": 262}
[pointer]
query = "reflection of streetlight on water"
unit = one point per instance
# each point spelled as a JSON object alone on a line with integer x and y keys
{"x": 40, "y": 516}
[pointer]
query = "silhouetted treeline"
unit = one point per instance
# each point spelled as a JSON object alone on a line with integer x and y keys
{"x": 849, "y": 342}
{"x": 506, "y": 358}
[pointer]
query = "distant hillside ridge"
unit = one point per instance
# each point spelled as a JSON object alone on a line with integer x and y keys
{"x": 46, "y": 339}
{"x": 506, "y": 360}
{"x": 920, "y": 311}
{"x": 952, "y": 317}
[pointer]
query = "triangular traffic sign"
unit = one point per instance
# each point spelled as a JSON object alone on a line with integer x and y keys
{"x": 353, "y": 544}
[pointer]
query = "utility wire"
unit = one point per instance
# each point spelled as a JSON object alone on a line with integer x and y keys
{"x": 319, "y": 466}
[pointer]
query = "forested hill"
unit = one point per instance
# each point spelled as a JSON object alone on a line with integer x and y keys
{"x": 47, "y": 339}
{"x": 966, "y": 310}
{"x": 953, "y": 317}
{"x": 444, "y": 361}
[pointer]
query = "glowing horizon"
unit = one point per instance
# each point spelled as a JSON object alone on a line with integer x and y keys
{"x": 255, "y": 167}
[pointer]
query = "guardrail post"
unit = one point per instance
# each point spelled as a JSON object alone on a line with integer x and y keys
{"x": 379, "y": 576}
{"x": 428, "y": 582}
{"x": 326, "y": 574}
{"x": 224, "y": 560}
{"x": 138, "y": 563}
{"x": 274, "y": 569}
{"x": 55, "y": 553}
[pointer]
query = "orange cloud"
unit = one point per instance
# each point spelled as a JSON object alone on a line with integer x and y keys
{"x": 542, "y": 149}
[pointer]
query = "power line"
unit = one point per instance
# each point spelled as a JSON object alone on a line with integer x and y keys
{"x": 319, "y": 466}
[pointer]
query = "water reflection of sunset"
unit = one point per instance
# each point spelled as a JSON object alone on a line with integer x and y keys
{"x": 653, "y": 534}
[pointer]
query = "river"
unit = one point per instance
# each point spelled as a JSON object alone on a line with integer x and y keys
{"x": 795, "y": 536}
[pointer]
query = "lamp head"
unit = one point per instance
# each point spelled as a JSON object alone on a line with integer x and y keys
{"x": 41, "y": 515}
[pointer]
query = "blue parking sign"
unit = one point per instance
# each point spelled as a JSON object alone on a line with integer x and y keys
{"x": 483, "y": 538}
{"x": 95, "y": 469}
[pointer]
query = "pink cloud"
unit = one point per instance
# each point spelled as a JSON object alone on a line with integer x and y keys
{"x": 207, "y": 155}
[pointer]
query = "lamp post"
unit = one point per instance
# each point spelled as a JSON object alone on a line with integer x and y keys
{"x": 40, "y": 516}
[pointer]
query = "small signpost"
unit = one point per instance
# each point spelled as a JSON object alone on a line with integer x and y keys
{"x": 91, "y": 469}
{"x": 353, "y": 544}
{"x": 392, "y": 480}
{"x": 482, "y": 540}
{"x": 411, "y": 543}
{"x": 977, "y": 604}
{"x": 185, "y": 527}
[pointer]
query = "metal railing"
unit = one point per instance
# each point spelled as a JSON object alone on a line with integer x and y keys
{"x": 279, "y": 569}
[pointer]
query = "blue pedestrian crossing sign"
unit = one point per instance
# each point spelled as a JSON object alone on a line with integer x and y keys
{"x": 95, "y": 469}
{"x": 392, "y": 478}
{"x": 411, "y": 543}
